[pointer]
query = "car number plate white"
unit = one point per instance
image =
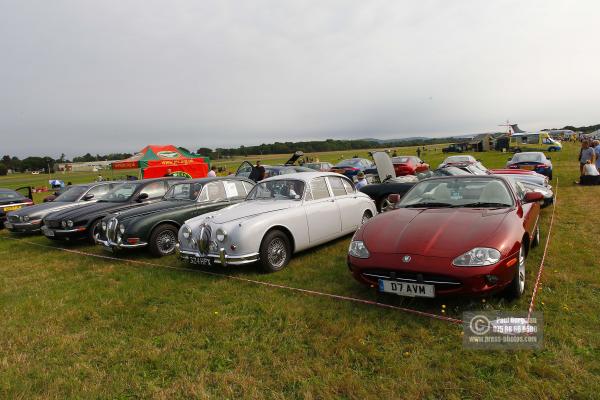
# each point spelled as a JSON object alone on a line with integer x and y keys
{"x": 200, "y": 260}
{"x": 408, "y": 289}
{"x": 47, "y": 232}
{"x": 8, "y": 225}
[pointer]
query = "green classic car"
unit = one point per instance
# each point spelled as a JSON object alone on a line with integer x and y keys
{"x": 156, "y": 225}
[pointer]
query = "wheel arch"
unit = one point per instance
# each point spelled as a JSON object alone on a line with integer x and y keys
{"x": 285, "y": 230}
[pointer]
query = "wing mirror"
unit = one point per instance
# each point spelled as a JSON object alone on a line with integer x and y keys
{"x": 394, "y": 198}
{"x": 142, "y": 196}
{"x": 88, "y": 197}
{"x": 531, "y": 197}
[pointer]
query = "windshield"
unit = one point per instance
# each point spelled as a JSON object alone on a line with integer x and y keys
{"x": 121, "y": 193}
{"x": 281, "y": 189}
{"x": 527, "y": 157}
{"x": 184, "y": 191}
{"x": 400, "y": 160}
{"x": 72, "y": 193}
{"x": 348, "y": 163}
{"x": 458, "y": 192}
{"x": 458, "y": 159}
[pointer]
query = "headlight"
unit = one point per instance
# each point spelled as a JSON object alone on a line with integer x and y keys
{"x": 63, "y": 224}
{"x": 477, "y": 257}
{"x": 186, "y": 232}
{"x": 103, "y": 225}
{"x": 25, "y": 218}
{"x": 221, "y": 235}
{"x": 358, "y": 249}
{"x": 69, "y": 223}
{"x": 122, "y": 228}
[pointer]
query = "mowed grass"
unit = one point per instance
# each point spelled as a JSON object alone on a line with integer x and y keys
{"x": 75, "y": 326}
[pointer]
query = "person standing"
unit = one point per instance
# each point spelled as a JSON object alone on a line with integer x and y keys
{"x": 419, "y": 152}
{"x": 258, "y": 172}
{"x": 362, "y": 181}
{"x": 596, "y": 146}
{"x": 213, "y": 172}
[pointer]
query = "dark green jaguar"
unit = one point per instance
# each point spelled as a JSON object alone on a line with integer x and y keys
{"x": 156, "y": 225}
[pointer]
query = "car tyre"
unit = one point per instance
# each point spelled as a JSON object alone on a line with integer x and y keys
{"x": 163, "y": 240}
{"x": 92, "y": 230}
{"x": 517, "y": 286}
{"x": 275, "y": 251}
{"x": 536, "y": 237}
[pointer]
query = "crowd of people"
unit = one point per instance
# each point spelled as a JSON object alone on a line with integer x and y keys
{"x": 589, "y": 162}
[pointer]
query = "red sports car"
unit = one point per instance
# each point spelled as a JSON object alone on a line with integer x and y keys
{"x": 450, "y": 235}
{"x": 409, "y": 165}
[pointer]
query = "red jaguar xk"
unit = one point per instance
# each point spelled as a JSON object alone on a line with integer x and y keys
{"x": 465, "y": 235}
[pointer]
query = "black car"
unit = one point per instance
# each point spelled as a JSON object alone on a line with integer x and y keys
{"x": 11, "y": 200}
{"x": 82, "y": 222}
{"x": 156, "y": 225}
{"x": 29, "y": 220}
{"x": 379, "y": 192}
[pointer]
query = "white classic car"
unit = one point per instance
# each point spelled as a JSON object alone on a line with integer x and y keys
{"x": 282, "y": 215}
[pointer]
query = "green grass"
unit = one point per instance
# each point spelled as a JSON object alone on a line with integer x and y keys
{"x": 83, "y": 327}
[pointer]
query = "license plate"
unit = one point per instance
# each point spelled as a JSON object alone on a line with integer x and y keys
{"x": 407, "y": 288}
{"x": 8, "y": 225}
{"x": 528, "y": 167}
{"x": 47, "y": 232}
{"x": 200, "y": 260}
{"x": 12, "y": 208}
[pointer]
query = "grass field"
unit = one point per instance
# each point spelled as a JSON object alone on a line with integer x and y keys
{"x": 75, "y": 326}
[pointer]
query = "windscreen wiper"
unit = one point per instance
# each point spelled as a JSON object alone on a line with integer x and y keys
{"x": 428, "y": 204}
{"x": 484, "y": 204}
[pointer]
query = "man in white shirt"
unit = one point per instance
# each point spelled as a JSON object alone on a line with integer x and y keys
{"x": 362, "y": 181}
{"x": 213, "y": 172}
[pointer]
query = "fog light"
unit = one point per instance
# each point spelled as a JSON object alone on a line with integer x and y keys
{"x": 491, "y": 279}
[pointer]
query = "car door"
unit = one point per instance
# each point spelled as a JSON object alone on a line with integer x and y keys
{"x": 322, "y": 213}
{"x": 350, "y": 216}
{"x": 244, "y": 170}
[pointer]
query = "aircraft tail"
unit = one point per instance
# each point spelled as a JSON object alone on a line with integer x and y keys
{"x": 516, "y": 129}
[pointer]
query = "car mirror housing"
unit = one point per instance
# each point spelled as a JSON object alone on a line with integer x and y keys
{"x": 531, "y": 197}
{"x": 394, "y": 198}
{"x": 88, "y": 197}
{"x": 142, "y": 196}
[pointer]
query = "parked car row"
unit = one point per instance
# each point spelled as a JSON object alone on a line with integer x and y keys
{"x": 412, "y": 250}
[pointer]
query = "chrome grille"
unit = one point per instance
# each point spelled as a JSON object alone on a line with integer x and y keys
{"x": 204, "y": 239}
{"x": 14, "y": 218}
{"x": 111, "y": 229}
{"x": 52, "y": 224}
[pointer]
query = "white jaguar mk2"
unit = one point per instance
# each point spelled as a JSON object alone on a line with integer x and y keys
{"x": 282, "y": 215}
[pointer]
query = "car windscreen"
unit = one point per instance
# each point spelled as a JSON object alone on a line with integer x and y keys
{"x": 527, "y": 157}
{"x": 449, "y": 171}
{"x": 458, "y": 192}
{"x": 184, "y": 191}
{"x": 400, "y": 160}
{"x": 72, "y": 193}
{"x": 348, "y": 163}
{"x": 121, "y": 193}
{"x": 281, "y": 189}
{"x": 458, "y": 159}
{"x": 7, "y": 195}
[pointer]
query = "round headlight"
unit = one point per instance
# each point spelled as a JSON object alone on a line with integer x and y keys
{"x": 221, "y": 235}
{"x": 122, "y": 228}
{"x": 103, "y": 225}
{"x": 25, "y": 218}
{"x": 63, "y": 224}
{"x": 186, "y": 232}
{"x": 69, "y": 223}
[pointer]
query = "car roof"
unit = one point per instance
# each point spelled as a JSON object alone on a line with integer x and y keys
{"x": 539, "y": 153}
{"x": 216, "y": 178}
{"x": 304, "y": 176}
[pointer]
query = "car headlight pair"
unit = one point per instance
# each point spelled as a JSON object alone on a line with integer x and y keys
{"x": 477, "y": 257}
{"x": 358, "y": 249}
{"x": 67, "y": 223}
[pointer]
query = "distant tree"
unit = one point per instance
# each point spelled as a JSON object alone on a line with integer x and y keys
{"x": 3, "y": 169}
{"x": 205, "y": 151}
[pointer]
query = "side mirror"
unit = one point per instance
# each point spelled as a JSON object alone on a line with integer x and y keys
{"x": 531, "y": 197}
{"x": 88, "y": 197}
{"x": 394, "y": 198}
{"x": 142, "y": 196}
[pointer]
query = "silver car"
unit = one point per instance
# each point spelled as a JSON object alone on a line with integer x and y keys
{"x": 282, "y": 215}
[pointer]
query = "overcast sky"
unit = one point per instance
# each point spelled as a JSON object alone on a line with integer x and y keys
{"x": 114, "y": 75}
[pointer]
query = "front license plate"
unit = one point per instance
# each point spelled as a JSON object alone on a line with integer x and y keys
{"x": 47, "y": 232}
{"x": 12, "y": 208}
{"x": 200, "y": 260}
{"x": 8, "y": 225}
{"x": 407, "y": 288}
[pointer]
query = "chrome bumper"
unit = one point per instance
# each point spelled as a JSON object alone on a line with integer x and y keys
{"x": 26, "y": 227}
{"x": 110, "y": 245}
{"x": 222, "y": 258}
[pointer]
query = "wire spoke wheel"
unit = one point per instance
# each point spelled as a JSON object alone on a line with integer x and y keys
{"x": 277, "y": 252}
{"x": 166, "y": 241}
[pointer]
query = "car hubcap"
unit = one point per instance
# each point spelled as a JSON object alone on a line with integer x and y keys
{"x": 276, "y": 252}
{"x": 521, "y": 270}
{"x": 166, "y": 242}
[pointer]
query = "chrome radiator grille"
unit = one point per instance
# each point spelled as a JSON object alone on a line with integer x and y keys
{"x": 111, "y": 229}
